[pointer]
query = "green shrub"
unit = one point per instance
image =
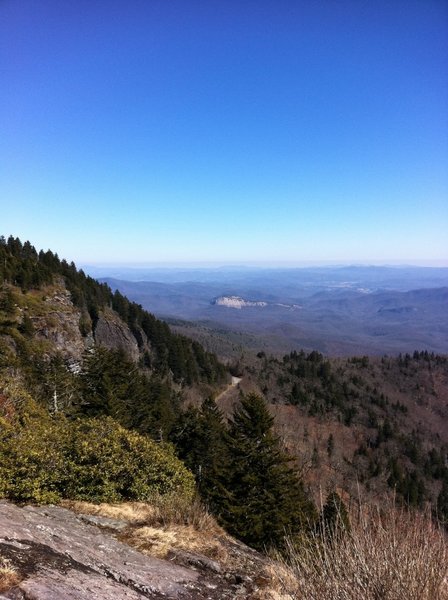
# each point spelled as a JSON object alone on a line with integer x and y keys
{"x": 108, "y": 463}
{"x": 44, "y": 459}
{"x": 31, "y": 462}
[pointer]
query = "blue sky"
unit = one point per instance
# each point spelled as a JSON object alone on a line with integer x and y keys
{"x": 228, "y": 131}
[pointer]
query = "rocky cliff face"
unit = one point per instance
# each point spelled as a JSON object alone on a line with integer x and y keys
{"x": 112, "y": 333}
{"x": 56, "y": 320}
{"x": 58, "y": 554}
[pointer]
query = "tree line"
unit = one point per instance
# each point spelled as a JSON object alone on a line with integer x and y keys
{"x": 184, "y": 359}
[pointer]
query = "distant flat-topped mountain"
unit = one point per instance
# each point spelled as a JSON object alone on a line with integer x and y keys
{"x": 237, "y": 302}
{"x": 340, "y": 311}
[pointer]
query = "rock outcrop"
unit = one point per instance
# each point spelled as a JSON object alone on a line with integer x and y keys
{"x": 60, "y": 555}
{"x": 63, "y": 557}
{"x": 237, "y": 302}
{"x": 112, "y": 333}
{"x": 57, "y": 321}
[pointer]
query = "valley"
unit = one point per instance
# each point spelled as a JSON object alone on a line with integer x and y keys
{"x": 102, "y": 402}
{"x": 338, "y": 311}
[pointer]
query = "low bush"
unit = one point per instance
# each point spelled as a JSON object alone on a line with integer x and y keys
{"x": 44, "y": 459}
{"x": 394, "y": 555}
{"x": 8, "y": 575}
{"x": 109, "y": 463}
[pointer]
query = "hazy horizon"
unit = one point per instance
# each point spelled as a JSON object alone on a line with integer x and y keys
{"x": 264, "y": 264}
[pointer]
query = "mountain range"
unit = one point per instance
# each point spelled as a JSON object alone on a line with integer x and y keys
{"x": 338, "y": 311}
{"x": 92, "y": 387}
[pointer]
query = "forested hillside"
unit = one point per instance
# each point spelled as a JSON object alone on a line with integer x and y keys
{"x": 73, "y": 355}
{"x": 21, "y": 266}
{"x": 369, "y": 424}
{"x": 93, "y": 396}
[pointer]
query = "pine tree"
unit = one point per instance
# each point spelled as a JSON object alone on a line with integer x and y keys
{"x": 7, "y": 303}
{"x": 264, "y": 498}
{"x": 334, "y": 519}
{"x": 200, "y": 437}
{"x": 159, "y": 409}
{"x": 442, "y": 503}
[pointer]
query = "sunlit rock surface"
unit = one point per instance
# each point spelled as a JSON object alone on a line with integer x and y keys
{"x": 60, "y": 555}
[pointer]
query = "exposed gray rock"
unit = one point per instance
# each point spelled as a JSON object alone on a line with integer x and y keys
{"x": 64, "y": 558}
{"x": 60, "y": 325}
{"x": 76, "y": 586}
{"x": 142, "y": 340}
{"x": 112, "y": 333}
{"x": 106, "y": 522}
{"x": 61, "y": 557}
{"x": 192, "y": 559}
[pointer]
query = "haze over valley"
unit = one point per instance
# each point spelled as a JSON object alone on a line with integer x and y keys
{"x": 336, "y": 310}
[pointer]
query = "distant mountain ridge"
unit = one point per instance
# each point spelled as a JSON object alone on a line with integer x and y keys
{"x": 336, "y": 317}
{"x": 79, "y": 349}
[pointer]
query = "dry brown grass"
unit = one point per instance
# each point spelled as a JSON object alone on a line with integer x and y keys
{"x": 167, "y": 525}
{"x": 160, "y": 511}
{"x": 171, "y": 523}
{"x": 164, "y": 524}
{"x": 133, "y": 512}
{"x": 395, "y": 555}
{"x": 160, "y": 541}
{"x": 9, "y": 577}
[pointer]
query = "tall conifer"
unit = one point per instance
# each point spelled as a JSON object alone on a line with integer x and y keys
{"x": 264, "y": 498}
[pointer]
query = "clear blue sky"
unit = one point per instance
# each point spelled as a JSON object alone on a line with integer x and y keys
{"x": 229, "y": 130}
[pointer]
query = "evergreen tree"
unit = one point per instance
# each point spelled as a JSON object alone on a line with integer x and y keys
{"x": 112, "y": 385}
{"x": 264, "y": 499}
{"x": 159, "y": 410}
{"x": 7, "y": 303}
{"x": 108, "y": 384}
{"x": 334, "y": 519}
{"x": 442, "y": 503}
{"x": 200, "y": 437}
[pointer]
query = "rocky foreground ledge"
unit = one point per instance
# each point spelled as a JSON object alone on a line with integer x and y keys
{"x": 60, "y": 555}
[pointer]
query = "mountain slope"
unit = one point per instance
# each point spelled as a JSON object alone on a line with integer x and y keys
{"x": 83, "y": 351}
{"x": 375, "y": 425}
{"x": 104, "y": 317}
{"x": 291, "y": 310}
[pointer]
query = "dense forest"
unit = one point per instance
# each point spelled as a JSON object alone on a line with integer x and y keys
{"x": 95, "y": 428}
{"x": 88, "y": 427}
{"x": 378, "y": 422}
